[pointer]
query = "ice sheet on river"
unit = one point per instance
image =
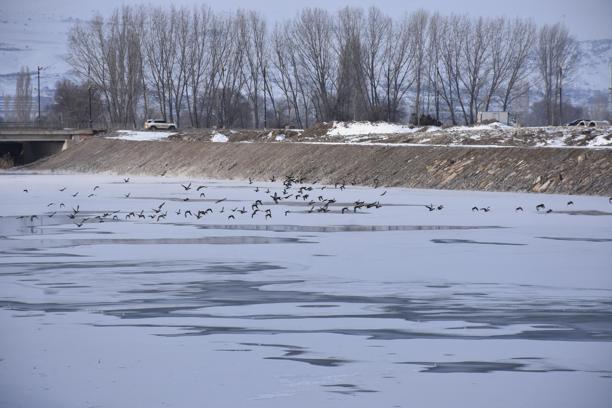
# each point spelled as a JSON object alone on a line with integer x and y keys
{"x": 390, "y": 306}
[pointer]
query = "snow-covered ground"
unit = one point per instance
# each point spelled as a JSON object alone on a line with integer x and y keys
{"x": 382, "y": 307}
{"x": 355, "y": 129}
{"x": 141, "y": 135}
{"x": 219, "y": 138}
{"x": 486, "y": 135}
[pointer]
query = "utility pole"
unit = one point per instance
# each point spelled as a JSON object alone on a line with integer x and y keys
{"x": 265, "y": 99}
{"x": 89, "y": 93}
{"x": 38, "y": 69}
{"x": 610, "y": 92}
{"x": 560, "y": 95}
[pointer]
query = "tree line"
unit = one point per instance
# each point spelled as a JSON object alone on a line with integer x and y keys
{"x": 203, "y": 68}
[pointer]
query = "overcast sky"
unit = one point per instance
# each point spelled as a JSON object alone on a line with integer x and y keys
{"x": 588, "y": 19}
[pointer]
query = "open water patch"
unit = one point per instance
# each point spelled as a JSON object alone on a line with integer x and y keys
{"x": 575, "y": 239}
{"x": 480, "y": 367}
{"x": 469, "y": 241}
{"x": 342, "y": 228}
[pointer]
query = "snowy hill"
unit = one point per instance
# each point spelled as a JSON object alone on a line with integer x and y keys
{"x": 592, "y": 70}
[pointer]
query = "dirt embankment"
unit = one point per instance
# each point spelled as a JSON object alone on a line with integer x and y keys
{"x": 550, "y": 170}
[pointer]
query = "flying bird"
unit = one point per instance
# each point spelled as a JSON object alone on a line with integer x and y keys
{"x": 186, "y": 187}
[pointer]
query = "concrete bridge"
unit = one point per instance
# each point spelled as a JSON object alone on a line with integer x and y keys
{"x": 28, "y": 145}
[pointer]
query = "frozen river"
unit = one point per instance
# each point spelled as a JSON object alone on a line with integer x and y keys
{"x": 116, "y": 297}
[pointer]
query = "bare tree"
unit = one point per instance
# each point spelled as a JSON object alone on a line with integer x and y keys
{"x": 109, "y": 54}
{"x": 398, "y": 80}
{"x": 521, "y": 49}
{"x": 556, "y": 58}
{"x": 23, "y": 96}
{"x": 374, "y": 59}
{"x": 418, "y": 32}
{"x": 313, "y": 38}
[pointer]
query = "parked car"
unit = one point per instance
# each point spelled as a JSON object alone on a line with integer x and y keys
{"x": 154, "y": 124}
{"x": 575, "y": 122}
{"x": 589, "y": 123}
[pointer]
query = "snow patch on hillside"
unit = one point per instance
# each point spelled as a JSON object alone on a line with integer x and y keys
{"x": 219, "y": 138}
{"x": 140, "y": 136}
{"x": 368, "y": 128}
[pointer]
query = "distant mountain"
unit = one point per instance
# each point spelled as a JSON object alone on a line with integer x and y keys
{"x": 592, "y": 76}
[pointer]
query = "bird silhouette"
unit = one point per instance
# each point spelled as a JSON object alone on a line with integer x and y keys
{"x": 231, "y": 217}
{"x": 52, "y": 214}
{"x": 200, "y": 187}
{"x": 62, "y": 189}
{"x": 518, "y": 209}
{"x": 540, "y": 207}
{"x": 126, "y": 180}
{"x": 50, "y": 204}
{"x": 25, "y": 190}
{"x": 186, "y": 187}
{"x": 127, "y": 195}
{"x": 75, "y": 194}
{"x": 220, "y": 200}
{"x": 95, "y": 188}
{"x": 90, "y": 195}
{"x": 474, "y": 208}
{"x": 549, "y": 211}
{"x": 430, "y": 207}
{"x": 570, "y": 203}
{"x": 202, "y": 195}
{"x": 287, "y": 212}
{"x": 485, "y": 209}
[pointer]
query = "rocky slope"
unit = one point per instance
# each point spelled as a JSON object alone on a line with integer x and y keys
{"x": 550, "y": 170}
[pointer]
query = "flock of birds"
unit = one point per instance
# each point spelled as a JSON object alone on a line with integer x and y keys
{"x": 313, "y": 198}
